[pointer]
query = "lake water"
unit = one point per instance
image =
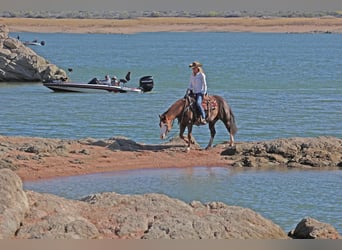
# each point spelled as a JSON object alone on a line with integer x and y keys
{"x": 284, "y": 196}
{"x": 278, "y": 85}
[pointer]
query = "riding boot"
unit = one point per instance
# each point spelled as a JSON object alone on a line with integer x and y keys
{"x": 203, "y": 121}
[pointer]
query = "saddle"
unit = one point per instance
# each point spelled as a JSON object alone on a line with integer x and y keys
{"x": 208, "y": 103}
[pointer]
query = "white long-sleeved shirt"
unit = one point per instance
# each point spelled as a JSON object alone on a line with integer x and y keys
{"x": 198, "y": 83}
{"x": 106, "y": 81}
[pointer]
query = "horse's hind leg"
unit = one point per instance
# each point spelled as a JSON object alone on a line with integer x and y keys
{"x": 212, "y": 134}
{"x": 231, "y": 136}
{"x": 231, "y": 142}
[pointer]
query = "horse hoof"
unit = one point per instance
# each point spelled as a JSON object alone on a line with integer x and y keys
{"x": 188, "y": 149}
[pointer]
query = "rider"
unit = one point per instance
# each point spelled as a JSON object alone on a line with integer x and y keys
{"x": 198, "y": 86}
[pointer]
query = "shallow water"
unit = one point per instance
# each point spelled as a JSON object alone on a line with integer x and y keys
{"x": 284, "y": 196}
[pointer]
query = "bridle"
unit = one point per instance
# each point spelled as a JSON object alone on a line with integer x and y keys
{"x": 164, "y": 128}
{"x": 166, "y": 125}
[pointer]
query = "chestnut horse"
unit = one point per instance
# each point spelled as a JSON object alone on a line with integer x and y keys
{"x": 184, "y": 110}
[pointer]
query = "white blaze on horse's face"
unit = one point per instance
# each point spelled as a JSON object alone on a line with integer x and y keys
{"x": 165, "y": 126}
{"x": 163, "y": 130}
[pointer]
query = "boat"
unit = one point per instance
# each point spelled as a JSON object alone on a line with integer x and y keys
{"x": 94, "y": 86}
{"x": 34, "y": 42}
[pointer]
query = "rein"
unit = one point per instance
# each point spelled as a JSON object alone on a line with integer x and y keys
{"x": 186, "y": 107}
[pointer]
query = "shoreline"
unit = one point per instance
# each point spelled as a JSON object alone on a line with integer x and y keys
{"x": 175, "y": 24}
{"x": 34, "y": 158}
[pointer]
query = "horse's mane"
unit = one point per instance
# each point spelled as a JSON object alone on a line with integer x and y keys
{"x": 173, "y": 106}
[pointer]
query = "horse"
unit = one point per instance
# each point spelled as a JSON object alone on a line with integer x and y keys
{"x": 184, "y": 110}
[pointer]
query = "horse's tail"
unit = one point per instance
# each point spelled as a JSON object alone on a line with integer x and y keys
{"x": 233, "y": 127}
{"x": 227, "y": 115}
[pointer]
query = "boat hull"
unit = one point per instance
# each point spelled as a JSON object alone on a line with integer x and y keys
{"x": 89, "y": 88}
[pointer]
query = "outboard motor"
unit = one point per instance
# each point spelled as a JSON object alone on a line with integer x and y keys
{"x": 146, "y": 83}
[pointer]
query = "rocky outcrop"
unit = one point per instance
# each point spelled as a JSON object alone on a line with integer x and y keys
{"x": 156, "y": 216}
{"x": 309, "y": 228}
{"x": 115, "y": 216}
{"x": 20, "y": 63}
{"x": 292, "y": 152}
{"x": 13, "y": 203}
{"x": 31, "y": 215}
{"x": 149, "y": 216}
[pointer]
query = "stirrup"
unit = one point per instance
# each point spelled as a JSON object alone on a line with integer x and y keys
{"x": 203, "y": 121}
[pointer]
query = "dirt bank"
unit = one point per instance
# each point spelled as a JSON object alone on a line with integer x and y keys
{"x": 175, "y": 24}
{"x": 36, "y": 158}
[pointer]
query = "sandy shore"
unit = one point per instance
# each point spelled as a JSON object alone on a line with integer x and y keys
{"x": 38, "y": 158}
{"x": 176, "y": 24}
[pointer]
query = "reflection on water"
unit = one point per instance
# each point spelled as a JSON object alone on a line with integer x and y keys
{"x": 284, "y": 196}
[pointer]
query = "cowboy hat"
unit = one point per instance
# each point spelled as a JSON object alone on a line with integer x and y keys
{"x": 195, "y": 65}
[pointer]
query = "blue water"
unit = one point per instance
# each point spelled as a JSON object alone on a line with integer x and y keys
{"x": 284, "y": 196}
{"x": 278, "y": 85}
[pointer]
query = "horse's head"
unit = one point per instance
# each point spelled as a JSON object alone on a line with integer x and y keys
{"x": 165, "y": 125}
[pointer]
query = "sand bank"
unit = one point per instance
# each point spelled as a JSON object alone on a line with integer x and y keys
{"x": 175, "y": 24}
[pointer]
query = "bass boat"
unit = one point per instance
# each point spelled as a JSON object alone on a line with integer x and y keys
{"x": 94, "y": 86}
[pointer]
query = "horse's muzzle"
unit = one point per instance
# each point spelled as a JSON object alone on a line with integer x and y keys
{"x": 163, "y": 132}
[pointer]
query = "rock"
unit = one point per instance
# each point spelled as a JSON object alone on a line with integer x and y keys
{"x": 229, "y": 151}
{"x": 123, "y": 144}
{"x": 7, "y": 163}
{"x": 31, "y": 215}
{"x": 157, "y": 216}
{"x": 47, "y": 147}
{"x": 309, "y": 228}
{"x": 53, "y": 217}
{"x": 20, "y": 63}
{"x": 298, "y": 152}
{"x": 13, "y": 203}
{"x": 4, "y": 30}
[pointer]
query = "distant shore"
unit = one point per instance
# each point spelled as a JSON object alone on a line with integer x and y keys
{"x": 176, "y": 24}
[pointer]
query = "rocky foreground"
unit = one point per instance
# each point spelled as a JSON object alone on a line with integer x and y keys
{"x": 31, "y": 215}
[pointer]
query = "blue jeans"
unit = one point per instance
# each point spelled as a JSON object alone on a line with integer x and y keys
{"x": 199, "y": 98}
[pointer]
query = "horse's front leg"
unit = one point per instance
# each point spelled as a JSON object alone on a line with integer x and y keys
{"x": 190, "y": 139}
{"x": 212, "y": 134}
{"x": 181, "y": 132}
